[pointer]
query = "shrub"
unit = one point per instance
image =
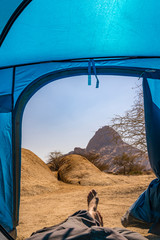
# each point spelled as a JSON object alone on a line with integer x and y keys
{"x": 93, "y": 158}
{"x": 127, "y": 164}
{"x": 54, "y": 160}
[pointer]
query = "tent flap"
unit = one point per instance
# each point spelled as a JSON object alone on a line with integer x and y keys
{"x": 6, "y": 172}
{"x": 152, "y": 121}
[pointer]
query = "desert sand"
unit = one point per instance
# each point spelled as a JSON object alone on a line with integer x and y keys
{"x": 45, "y": 201}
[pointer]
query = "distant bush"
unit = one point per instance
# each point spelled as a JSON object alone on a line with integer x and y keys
{"x": 128, "y": 165}
{"x": 54, "y": 160}
{"x": 102, "y": 167}
{"x": 91, "y": 156}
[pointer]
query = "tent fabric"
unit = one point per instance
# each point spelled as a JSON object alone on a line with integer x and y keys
{"x": 49, "y": 40}
{"x": 6, "y": 90}
{"x": 6, "y": 171}
{"x": 152, "y": 121}
{"x": 58, "y": 30}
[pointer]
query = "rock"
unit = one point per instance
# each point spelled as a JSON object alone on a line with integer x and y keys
{"x": 108, "y": 143}
{"x": 104, "y": 137}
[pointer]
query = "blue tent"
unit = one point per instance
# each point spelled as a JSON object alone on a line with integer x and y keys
{"x": 42, "y": 41}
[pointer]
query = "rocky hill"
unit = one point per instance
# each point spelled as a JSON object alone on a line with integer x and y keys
{"x": 108, "y": 143}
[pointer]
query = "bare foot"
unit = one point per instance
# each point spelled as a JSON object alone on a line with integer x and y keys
{"x": 93, "y": 200}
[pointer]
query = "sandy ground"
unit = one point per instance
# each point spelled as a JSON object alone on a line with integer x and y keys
{"x": 46, "y": 209}
{"x": 45, "y": 201}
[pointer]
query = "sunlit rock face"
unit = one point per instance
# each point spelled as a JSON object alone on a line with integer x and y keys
{"x": 108, "y": 143}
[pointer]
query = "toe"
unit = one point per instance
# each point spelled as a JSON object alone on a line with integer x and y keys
{"x": 90, "y": 196}
{"x": 94, "y": 192}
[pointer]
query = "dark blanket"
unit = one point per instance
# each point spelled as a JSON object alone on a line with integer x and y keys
{"x": 81, "y": 226}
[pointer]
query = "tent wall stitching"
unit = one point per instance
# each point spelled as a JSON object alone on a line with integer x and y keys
{"x": 97, "y": 59}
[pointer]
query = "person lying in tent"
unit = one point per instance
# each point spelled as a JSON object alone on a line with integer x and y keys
{"x": 84, "y": 225}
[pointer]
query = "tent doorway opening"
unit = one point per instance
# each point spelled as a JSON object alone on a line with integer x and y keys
{"x": 59, "y": 117}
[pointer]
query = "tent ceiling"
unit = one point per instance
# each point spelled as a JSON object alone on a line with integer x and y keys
{"x": 70, "y": 29}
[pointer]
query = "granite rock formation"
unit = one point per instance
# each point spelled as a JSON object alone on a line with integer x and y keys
{"x": 108, "y": 143}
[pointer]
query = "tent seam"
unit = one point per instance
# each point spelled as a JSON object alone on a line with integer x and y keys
{"x": 97, "y": 59}
{"x": 12, "y": 19}
{"x": 13, "y": 153}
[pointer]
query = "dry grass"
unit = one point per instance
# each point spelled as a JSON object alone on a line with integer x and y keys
{"x": 47, "y": 202}
{"x": 76, "y": 169}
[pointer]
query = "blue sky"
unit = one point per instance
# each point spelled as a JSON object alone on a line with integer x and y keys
{"x": 66, "y": 113}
